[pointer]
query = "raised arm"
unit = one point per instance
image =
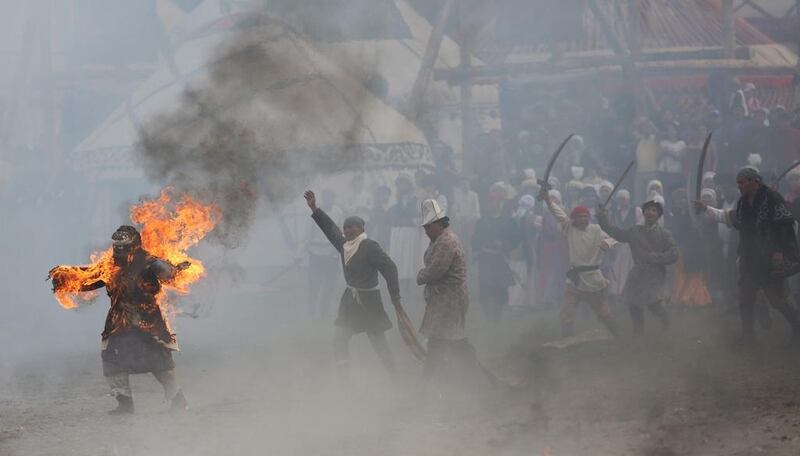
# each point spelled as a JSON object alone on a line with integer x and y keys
{"x": 554, "y": 208}
{"x": 620, "y": 234}
{"x": 328, "y": 226}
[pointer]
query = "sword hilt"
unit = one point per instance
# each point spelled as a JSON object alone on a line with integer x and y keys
{"x": 545, "y": 186}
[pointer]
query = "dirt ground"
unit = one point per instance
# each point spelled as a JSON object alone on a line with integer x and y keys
{"x": 256, "y": 391}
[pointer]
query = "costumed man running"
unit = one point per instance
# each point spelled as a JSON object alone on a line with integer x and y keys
{"x": 652, "y": 248}
{"x": 586, "y": 243}
{"x": 360, "y": 308}
{"x": 446, "y": 299}
{"x": 136, "y": 338}
{"x": 768, "y": 251}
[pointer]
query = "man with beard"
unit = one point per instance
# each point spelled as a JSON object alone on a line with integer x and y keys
{"x": 767, "y": 252}
{"x": 446, "y": 298}
{"x": 136, "y": 338}
{"x": 652, "y": 249}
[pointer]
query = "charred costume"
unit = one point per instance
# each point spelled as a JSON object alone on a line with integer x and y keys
{"x": 766, "y": 227}
{"x": 653, "y": 249}
{"x": 136, "y": 338}
{"x": 361, "y": 308}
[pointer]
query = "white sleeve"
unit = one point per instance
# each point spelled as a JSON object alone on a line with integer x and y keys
{"x": 718, "y": 215}
{"x": 558, "y": 213}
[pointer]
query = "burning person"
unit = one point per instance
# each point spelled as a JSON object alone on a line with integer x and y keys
{"x": 360, "y": 308}
{"x": 653, "y": 249}
{"x": 137, "y": 338}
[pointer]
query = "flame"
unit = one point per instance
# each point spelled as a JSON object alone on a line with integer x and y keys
{"x": 71, "y": 279}
{"x": 169, "y": 227}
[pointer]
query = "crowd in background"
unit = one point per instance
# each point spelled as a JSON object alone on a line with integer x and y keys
{"x": 513, "y": 242}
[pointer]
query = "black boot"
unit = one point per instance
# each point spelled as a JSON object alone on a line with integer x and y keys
{"x": 179, "y": 403}
{"x": 124, "y": 406}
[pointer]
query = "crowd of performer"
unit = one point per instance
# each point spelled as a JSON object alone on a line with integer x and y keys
{"x": 529, "y": 242}
{"x": 653, "y": 247}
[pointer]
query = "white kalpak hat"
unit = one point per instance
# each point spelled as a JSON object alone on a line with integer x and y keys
{"x": 431, "y": 212}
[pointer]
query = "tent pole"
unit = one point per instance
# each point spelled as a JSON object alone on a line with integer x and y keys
{"x": 466, "y": 92}
{"x": 797, "y": 67}
{"x": 728, "y": 30}
{"x": 429, "y": 60}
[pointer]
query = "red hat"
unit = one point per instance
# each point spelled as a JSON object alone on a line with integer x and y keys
{"x": 580, "y": 210}
{"x": 497, "y": 196}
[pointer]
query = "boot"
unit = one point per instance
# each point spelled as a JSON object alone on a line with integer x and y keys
{"x": 179, "y": 403}
{"x": 567, "y": 330}
{"x": 124, "y": 406}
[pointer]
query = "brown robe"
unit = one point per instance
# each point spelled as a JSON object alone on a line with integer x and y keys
{"x": 446, "y": 293}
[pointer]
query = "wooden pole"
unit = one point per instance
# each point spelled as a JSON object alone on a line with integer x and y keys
{"x": 797, "y": 67}
{"x": 605, "y": 25}
{"x": 634, "y": 27}
{"x": 429, "y": 60}
{"x": 728, "y": 30}
{"x": 466, "y": 92}
{"x": 635, "y": 46}
{"x": 456, "y": 75}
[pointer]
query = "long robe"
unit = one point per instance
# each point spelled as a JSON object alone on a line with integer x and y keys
{"x": 361, "y": 307}
{"x": 623, "y": 259}
{"x": 552, "y": 261}
{"x": 446, "y": 294}
{"x": 136, "y": 338}
{"x": 653, "y": 249}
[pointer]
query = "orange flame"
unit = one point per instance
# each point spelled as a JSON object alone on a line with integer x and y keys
{"x": 168, "y": 228}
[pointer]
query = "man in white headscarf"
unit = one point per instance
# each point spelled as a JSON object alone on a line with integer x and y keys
{"x": 360, "y": 307}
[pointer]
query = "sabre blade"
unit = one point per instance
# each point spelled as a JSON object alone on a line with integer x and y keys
{"x": 698, "y": 185}
{"x": 619, "y": 182}
{"x": 783, "y": 174}
{"x": 545, "y": 182}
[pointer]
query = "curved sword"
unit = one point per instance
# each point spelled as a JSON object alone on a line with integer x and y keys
{"x": 783, "y": 174}
{"x": 698, "y": 185}
{"x": 545, "y": 182}
{"x": 619, "y": 182}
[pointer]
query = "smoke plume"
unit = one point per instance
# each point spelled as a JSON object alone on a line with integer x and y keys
{"x": 270, "y": 114}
